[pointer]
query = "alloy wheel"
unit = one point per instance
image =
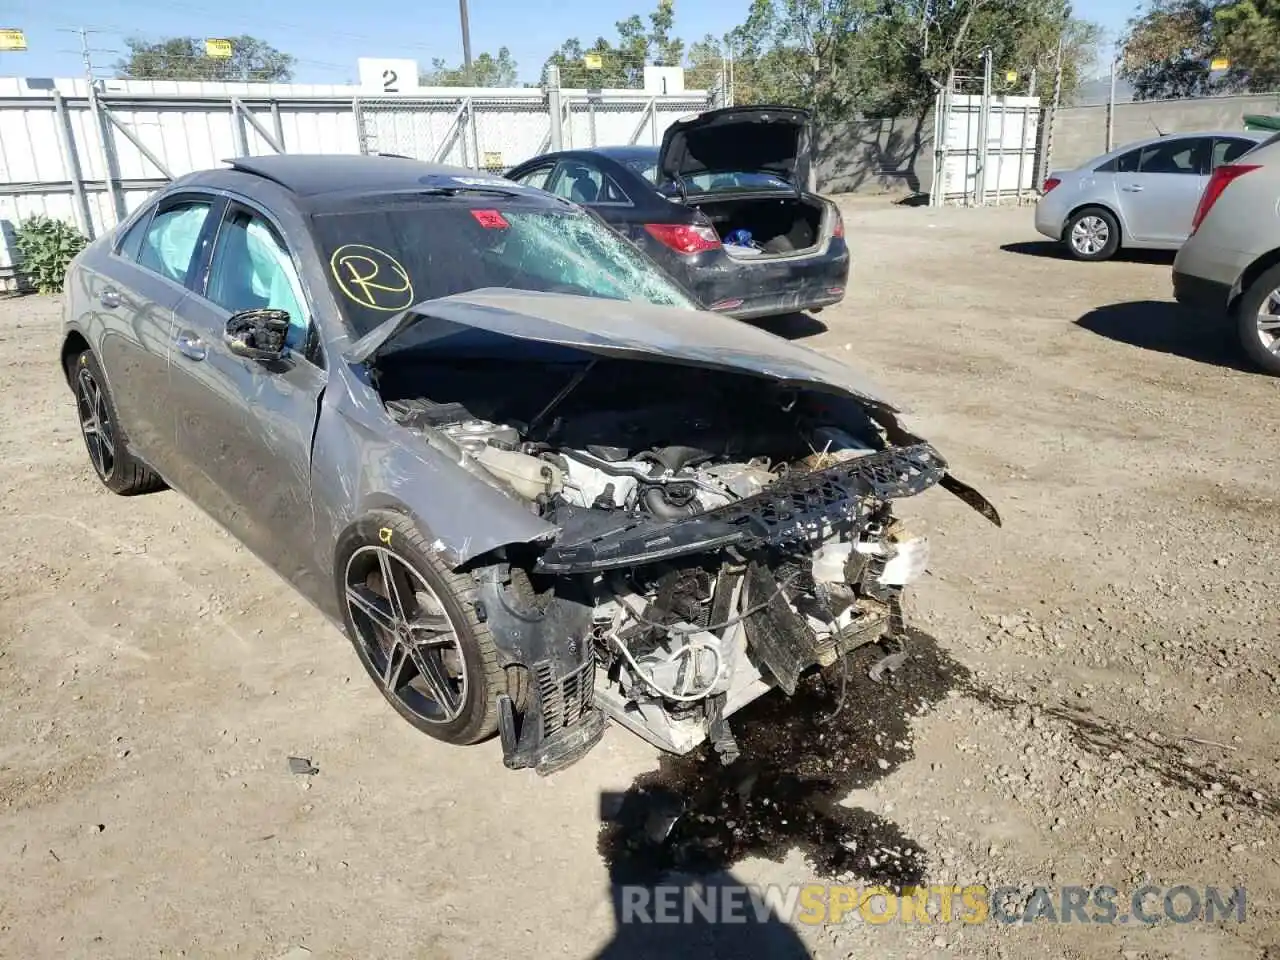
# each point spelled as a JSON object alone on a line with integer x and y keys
{"x": 95, "y": 424}
{"x": 1089, "y": 235}
{"x": 1267, "y": 322}
{"x": 407, "y": 636}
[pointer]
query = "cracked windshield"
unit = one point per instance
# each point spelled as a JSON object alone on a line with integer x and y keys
{"x": 386, "y": 260}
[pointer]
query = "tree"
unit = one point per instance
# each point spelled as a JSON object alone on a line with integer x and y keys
{"x": 623, "y": 62}
{"x": 184, "y": 58}
{"x": 486, "y": 71}
{"x": 1168, "y": 50}
{"x": 1247, "y": 35}
{"x": 842, "y": 58}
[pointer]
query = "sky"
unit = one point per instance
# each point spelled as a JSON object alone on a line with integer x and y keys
{"x": 327, "y": 36}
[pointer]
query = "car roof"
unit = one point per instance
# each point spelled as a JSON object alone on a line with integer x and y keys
{"x": 313, "y": 175}
{"x": 1255, "y": 135}
{"x": 629, "y": 152}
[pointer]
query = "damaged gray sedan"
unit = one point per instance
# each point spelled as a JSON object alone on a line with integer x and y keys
{"x": 536, "y": 486}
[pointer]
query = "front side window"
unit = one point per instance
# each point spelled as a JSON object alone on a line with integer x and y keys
{"x": 251, "y": 269}
{"x": 536, "y": 178}
{"x": 586, "y": 183}
{"x": 171, "y": 239}
{"x": 381, "y": 261}
{"x": 131, "y": 243}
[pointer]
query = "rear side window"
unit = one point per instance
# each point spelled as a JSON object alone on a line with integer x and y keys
{"x": 171, "y": 239}
{"x": 1230, "y": 149}
{"x": 1173, "y": 156}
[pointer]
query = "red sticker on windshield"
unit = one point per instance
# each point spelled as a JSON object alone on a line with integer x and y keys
{"x": 490, "y": 219}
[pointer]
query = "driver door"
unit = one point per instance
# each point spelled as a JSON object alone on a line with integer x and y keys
{"x": 244, "y": 427}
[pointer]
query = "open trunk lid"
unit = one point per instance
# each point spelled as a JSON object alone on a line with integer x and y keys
{"x": 772, "y": 139}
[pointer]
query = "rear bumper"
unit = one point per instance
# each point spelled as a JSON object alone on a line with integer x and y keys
{"x": 1049, "y": 219}
{"x": 744, "y": 289}
{"x": 1201, "y": 295}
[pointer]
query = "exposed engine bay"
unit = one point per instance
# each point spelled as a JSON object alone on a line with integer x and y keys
{"x": 719, "y": 535}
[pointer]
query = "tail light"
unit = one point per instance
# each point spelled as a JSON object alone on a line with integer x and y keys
{"x": 1218, "y": 182}
{"x": 685, "y": 237}
{"x": 1049, "y": 184}
{"x": 838, "y": 229}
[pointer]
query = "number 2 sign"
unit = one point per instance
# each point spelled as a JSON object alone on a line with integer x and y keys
{"x": 378, "y": 75}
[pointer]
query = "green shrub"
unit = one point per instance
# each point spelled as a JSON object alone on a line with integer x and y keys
{"x": 46, "y": 246}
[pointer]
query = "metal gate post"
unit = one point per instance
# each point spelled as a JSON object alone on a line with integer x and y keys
{"x": 111, "y": 172}
{"x": 554, "y": 108}
{"x": 71, "y": 159}
{"x": 473, "y": 135}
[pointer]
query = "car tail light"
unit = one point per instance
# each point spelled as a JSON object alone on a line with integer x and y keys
{"x": 1049, "y": 184}
{"x": 1218, "y": 182}
{"x": 838, "y": 229}
{"x": 685, "y": 237}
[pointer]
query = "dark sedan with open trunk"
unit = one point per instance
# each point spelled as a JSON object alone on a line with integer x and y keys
{"x": 722, "y": 204}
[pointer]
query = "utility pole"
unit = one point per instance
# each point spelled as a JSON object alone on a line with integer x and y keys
{"x": 86, "y": 52}
{"x": 466, "y": 39}
{"x": 85, "y": 55}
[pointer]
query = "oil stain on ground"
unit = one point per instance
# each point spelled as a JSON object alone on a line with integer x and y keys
{"x": 695, "y": 815}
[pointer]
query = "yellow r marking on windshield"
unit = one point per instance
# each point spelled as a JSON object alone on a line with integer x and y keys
{"x": 371, "y": 277}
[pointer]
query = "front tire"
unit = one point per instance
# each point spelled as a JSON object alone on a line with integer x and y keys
{"x": 1258, "y": 321}
{"x": 103, "y": 434}
{"x": 1092, "y": 234}
{"x": 415, "y": 626}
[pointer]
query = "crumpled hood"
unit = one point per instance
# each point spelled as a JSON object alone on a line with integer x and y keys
{"x": 619, "y": 328}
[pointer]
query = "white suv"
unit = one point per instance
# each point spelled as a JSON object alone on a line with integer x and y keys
{"x": 1230, "y": 265}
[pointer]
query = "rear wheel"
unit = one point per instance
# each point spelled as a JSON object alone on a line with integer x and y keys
{"x": 415, "y": 627}
{"x": 104, "y": 437}
{"x": 1258, "y": 321}
{"x": 1092, "y": 234}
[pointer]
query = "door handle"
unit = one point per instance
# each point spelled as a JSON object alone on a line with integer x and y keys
{"x": 1132, "y": 188}
{"x": 109, "y": 298}
{"x": 191, "y": 346}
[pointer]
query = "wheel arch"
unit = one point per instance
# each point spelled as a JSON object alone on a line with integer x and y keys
{"x": 1251, "y": 273}
{"x": 1095, "y": 205}
{"x": 457, "y": 557}
{"x": 73, "y": 344}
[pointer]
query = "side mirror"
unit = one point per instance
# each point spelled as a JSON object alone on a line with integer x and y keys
{"x": 257, "y": 334}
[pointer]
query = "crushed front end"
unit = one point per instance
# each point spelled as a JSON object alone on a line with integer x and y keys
{"x": 716, "y": 536}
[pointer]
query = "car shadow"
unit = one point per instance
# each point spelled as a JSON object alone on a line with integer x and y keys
{"x": 1050, "y": 250}
{"x": 792, "y": 326}
{"x": 1166, "y": 327}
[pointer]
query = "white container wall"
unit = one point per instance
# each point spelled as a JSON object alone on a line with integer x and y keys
{"x": 1009, "y": 148}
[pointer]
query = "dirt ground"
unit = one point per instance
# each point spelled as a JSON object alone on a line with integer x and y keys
{"x": 155, "y": 678}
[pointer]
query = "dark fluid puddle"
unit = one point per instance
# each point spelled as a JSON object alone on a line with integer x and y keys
{"x": 695, "y": 815}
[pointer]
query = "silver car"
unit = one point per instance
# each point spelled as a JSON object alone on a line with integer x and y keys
{"x": 1140, "y": 196}
{"x": 1229, "y": 268}
{"x": 497, "y": 445}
